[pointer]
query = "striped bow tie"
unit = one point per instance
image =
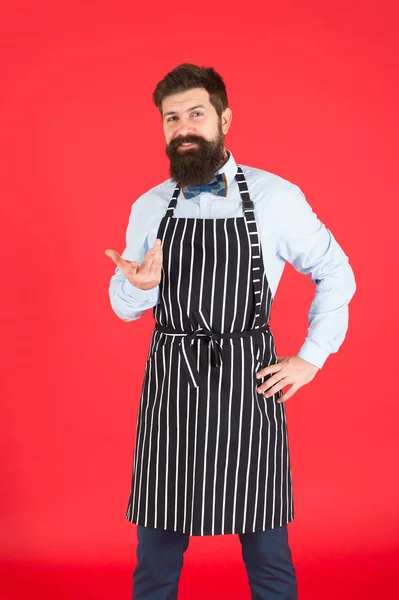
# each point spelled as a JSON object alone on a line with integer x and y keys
{"x": 217, "y": 186}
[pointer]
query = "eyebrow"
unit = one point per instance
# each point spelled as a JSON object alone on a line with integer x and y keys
{"x": 173, "y": 112}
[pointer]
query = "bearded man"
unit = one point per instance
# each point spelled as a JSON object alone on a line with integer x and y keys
{"x": 205, "y": 250}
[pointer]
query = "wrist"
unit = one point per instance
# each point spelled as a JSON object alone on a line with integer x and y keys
{"x": 137, "y": 293}
{"x": 313, "y": 354}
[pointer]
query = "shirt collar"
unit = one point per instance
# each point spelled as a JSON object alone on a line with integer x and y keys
{"x": 229, "y": 168}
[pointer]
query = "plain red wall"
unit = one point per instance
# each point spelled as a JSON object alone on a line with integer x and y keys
{"x": 314, "y": 93}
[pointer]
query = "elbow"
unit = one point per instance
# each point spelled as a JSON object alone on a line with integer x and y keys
{"x": 339, "y": 283}
{"x": 351, "y": 282}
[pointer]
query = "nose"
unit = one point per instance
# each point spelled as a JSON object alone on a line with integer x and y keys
{"x": 183, "y": 128}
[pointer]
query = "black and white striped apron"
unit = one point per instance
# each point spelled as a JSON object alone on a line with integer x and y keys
{"x": 211, "y": 454}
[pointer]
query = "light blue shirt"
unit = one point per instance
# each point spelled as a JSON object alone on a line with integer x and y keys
{"x": 289, "y": 231}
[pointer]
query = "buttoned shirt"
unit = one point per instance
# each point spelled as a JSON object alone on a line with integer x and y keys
{"x": 289, "y": 231}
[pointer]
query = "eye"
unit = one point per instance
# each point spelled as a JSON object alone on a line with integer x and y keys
{"x": 173, "y": 117}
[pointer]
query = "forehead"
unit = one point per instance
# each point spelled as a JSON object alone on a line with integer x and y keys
{"x": 184, "y": 100}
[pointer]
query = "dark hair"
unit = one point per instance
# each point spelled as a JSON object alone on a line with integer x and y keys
{"x": 187, "y": 76}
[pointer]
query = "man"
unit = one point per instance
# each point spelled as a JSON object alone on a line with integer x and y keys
{"x": 206, "y": 249}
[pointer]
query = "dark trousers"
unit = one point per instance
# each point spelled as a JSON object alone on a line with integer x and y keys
{"x": 266, "y": 554}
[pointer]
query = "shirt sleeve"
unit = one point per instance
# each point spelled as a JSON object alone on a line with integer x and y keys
{"x": 129, "y": 302}
{"x": 311, "y": 249}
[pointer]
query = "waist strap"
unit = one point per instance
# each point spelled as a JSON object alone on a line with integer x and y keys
{"x": 204, "y": 331}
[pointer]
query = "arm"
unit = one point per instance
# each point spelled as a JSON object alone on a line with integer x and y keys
{"x": 128, "y": 301}
{"x": 305, "y": 243}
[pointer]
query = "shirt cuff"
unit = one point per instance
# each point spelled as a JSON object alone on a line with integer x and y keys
{"x": 313, "y": 353}
{"x": 138, "y": 294}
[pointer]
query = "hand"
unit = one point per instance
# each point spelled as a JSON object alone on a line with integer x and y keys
{"x": 148, "y": 274}
{"x": 289, "y": 370}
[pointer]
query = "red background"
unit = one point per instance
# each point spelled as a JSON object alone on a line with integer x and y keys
{"x": 314, "y": 93}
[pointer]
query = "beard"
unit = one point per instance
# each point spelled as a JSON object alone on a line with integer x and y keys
{"x": 196, "y": 166}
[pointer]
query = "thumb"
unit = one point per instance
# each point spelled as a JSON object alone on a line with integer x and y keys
{"x": 118, "y": 260}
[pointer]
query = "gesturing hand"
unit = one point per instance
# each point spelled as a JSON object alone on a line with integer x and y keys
{"x": 289, "y": 370}
{"x": 145, "y": 276}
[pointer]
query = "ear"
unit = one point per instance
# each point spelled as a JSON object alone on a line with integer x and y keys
{"x": 226, "y": 118}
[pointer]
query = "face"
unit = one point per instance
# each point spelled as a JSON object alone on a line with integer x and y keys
{"x": 194, "y": 136}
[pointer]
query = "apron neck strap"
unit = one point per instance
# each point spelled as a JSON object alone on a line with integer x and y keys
{"x": 242, "y": 186}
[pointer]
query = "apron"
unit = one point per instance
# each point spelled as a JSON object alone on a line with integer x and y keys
{"x": 211, "y": 453}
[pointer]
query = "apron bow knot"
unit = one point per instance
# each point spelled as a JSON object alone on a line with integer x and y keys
{"x": 187, "y": 350}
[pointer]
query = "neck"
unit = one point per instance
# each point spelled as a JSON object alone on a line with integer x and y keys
{"x": 225, "y": 159}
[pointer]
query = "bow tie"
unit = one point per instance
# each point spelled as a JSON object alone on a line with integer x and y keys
{"x": 217, "y": 186}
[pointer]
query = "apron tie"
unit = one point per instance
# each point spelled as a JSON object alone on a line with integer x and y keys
{"x": 202, "y": 318}
{"x": 188, "y": 353}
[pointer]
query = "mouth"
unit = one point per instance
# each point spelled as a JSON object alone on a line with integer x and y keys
{"x": 187, "y": 145}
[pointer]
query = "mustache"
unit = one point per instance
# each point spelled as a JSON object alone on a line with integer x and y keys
{"x": 192, "y": 139}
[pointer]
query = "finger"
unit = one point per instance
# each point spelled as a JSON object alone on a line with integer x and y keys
{"x": 275, "y": 368}
{"x": 270, "y": 382}
{"x": 157, "y": 262}
{"x": 276, "y": 388}
{"x": 147, "y": 266}
{"x": 290, "y": 392}
{"x": 147, "y": 262}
